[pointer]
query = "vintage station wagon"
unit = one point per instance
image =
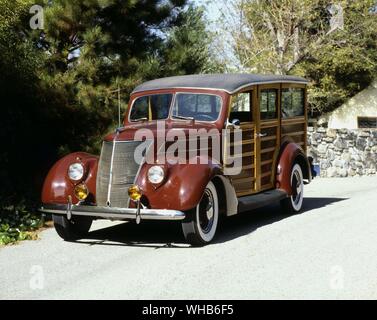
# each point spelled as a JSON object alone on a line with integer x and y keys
{"x": 266, "y": 112}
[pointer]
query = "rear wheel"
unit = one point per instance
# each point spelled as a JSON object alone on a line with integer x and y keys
{"x": 200, "y": 225}
{"x": 293, "y": 204}
{"x": 73, "y": 229}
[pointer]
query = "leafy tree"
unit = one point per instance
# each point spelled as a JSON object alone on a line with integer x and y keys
{"x": 118, "y": 44}
{"x": 345, "y": 63}
{"x": 187, "y": 49}
{"x": 295, "y": 37}
{"x": 57, "y": 86}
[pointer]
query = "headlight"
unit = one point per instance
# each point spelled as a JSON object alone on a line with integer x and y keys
{"x": 76, "y": 171}
{"x": 156, "y": 174}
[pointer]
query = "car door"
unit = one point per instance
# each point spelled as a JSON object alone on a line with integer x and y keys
{"x": 267, "y": 135}
{"x": 241, "y": 117}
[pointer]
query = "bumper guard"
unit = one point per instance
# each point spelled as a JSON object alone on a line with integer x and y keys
{"x": 112, "y": 213}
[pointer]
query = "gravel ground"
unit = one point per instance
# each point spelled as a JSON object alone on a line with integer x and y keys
{"x": 327, "y": 252}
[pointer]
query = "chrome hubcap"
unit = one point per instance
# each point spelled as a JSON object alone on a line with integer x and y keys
{"x": 206, "y": 212}
{"x": 297, "y": 187}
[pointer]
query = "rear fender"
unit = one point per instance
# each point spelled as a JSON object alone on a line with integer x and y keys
{"x": 291, "y": 153}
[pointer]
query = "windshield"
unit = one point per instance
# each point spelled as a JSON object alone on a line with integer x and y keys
{"x": 153, "y": 107}
{"x": 187, "y": 106}
{"x": 201, "y": 107}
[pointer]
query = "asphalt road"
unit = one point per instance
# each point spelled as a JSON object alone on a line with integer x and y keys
{"x": 327, "y": 252}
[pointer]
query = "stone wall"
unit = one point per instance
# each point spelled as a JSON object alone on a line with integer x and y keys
{"x": 343, "y": 153}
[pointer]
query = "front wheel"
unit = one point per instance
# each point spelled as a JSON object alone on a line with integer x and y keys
{"x": 73, "y": 229}
{"x": 293, "y": 204}
{"x": 200, "y": 225}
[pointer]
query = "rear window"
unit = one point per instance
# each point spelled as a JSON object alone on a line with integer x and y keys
{"x": 293, "y": 102}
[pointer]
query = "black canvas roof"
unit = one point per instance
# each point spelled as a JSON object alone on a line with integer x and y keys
{"x": 230, "y": 83}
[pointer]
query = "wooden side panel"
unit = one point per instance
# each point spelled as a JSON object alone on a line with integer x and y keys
{"x": 295, "y": 130}
{"x": 269, "y": 145}
{"x": 244, "y": 183}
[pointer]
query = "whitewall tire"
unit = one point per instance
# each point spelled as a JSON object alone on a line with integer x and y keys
{"x": 200, "y": 225}
{"x": 294, "y": 203}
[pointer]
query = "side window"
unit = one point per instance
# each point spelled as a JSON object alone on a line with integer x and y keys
{"x": 154, "y": 107}
{"x": 242, "y": 107}
{"x": 140, "y": 109}
{"x": 293, "y": 102}
{"x": 268, "y": 104}
{"x": 201, "y": 107}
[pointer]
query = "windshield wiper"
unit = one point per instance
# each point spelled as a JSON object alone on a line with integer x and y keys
{"x": 140, "y": 119}
{"x": 184, "y": 118}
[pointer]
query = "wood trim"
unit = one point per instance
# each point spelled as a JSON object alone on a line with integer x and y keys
{"x": 244, "y": 155}
{"x": 263, "y": 151}
{"x": 245, "y": 193}
{"x": 247, "y": 125}
{"x": 278, "y": 142}
{"x": 306, "y": 120}
{"x": 266, "y": 174}
{"x": 267, "y": 187}
{"x": 269, "y": 124}
{"x": 243, "y": 143}
{"x": 247, "y": 89}
{"x": 257, "y": 144}
{"x": 243, "y": 180}
{"x": 297, "y": 133}
{"x": 268, "y": 138}
{"x": 295, "y": 120}
{"x": 263, "y": 163}
{"x": 292, "y": 85}
{"x": 269, "y": 86}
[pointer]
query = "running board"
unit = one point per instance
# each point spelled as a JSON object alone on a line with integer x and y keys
{"x": 260, "y": 200}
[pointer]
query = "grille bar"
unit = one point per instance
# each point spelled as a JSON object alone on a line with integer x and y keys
{"x": 112, "y": 190}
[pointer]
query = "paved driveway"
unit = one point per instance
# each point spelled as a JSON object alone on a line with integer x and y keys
{"x": 329, "y": 251}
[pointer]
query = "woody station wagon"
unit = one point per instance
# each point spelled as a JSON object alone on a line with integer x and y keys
{"x": 267, "y": 112}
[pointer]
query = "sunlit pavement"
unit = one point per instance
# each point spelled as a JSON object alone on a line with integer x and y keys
{"x": 327, "y": 252}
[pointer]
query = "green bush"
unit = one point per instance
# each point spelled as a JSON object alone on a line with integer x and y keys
{"x": 18, "y": 224}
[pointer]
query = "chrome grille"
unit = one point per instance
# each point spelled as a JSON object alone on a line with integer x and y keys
{"x": 124, "y": 172}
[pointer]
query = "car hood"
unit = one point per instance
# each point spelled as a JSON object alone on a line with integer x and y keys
{"x": 128, "y": 132}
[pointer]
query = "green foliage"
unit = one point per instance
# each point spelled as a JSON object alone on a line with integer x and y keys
{"x": 53, "y": 103}
{"x": 18, "y": 225}
{"x": 346, "y": 61}
{"x": 187, "y": 50}
{"x": 292, "y": 37}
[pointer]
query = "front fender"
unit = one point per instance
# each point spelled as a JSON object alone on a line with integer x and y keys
{"x": 58, "y": 187}
{"x": 182, "y": 188}
{"x": 290, "y": 154}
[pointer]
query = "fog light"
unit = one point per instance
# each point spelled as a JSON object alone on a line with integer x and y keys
{"x": 134, "y": 192}
{"x": 81, "y": 191}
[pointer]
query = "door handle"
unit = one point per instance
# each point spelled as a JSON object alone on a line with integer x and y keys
{"x": 262, "y": 135}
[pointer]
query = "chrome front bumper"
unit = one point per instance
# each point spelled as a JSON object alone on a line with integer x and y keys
{"x": 112, "y": 213}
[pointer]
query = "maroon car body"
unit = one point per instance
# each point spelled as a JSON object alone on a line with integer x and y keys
{"x": 269, "y": 114}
